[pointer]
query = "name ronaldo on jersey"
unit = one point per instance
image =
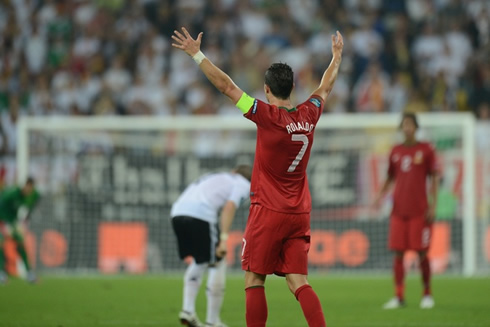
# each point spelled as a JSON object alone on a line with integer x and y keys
{"x": 299, "y": 126}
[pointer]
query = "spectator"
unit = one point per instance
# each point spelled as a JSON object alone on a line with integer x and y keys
{"x": 87, "y": 54}
{"x": 9, "y": 123}
{"x": 35, "y": 50}
{"x": 371, "y": 90}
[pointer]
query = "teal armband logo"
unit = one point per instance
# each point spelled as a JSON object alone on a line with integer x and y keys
{"x": 316, "y": 102}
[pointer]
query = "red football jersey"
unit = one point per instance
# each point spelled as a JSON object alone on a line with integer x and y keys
{"x": 410, "y": 166}
{"x": 284, "y": 141}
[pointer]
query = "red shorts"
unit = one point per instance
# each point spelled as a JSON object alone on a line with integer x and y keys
{"x": 276, "y": 242}
{"x": 409, "y": 233}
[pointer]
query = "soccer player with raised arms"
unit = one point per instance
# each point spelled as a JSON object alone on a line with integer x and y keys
{"x": 410, "y": 165}
{"x": 277, "y": 236}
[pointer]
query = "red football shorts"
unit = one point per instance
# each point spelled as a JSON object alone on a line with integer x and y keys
{"x": 409, "y": 233}
{"x": 276, "y": 242}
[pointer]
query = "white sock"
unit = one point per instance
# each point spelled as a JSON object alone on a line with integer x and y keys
{"x": 192, "y": 283}
{"x": 215, "y": 292}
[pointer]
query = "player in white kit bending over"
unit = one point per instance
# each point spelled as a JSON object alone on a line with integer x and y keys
{"x": 202, "y": 236}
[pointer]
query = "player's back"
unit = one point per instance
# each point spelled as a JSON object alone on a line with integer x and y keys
{"x": 204, "y": 197}
{"x": 284, "y": 141}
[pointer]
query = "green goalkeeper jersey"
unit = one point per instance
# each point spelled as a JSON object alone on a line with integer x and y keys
{"x": 11, "y": 199}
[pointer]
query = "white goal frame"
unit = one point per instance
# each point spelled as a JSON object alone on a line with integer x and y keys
{"x": 466, "y": 121}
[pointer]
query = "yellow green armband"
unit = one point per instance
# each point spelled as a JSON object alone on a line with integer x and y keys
{"x": 245, "y": 103}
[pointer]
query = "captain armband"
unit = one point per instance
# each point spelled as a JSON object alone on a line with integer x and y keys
{"x": 245, "y": 103}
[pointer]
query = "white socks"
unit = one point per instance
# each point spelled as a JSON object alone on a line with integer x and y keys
{"x": 215, "y": 289}
{"x": 192, "y": 283}
{"x": 215, "y": 292}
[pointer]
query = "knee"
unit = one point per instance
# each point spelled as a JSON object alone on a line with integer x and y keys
{"x": 295, "y": 281}
{"x": 292, "y": 287}
{"x": 216, "y": 289}
{"x": 195, "y": 272}
{"x": 253, "y": 279}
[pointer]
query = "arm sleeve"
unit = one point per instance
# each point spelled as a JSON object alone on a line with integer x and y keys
{"x": 318, "y": 104}
{"x": 245, "y": 103}
{"x": 262, "y": 114}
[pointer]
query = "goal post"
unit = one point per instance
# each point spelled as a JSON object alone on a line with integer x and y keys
{"x": 106, "y": 177}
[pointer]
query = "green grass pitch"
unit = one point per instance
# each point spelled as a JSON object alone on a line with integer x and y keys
{"x": 156, "y": 300}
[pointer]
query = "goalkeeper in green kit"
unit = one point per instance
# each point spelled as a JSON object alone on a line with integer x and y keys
{"x": 15, "y": 205}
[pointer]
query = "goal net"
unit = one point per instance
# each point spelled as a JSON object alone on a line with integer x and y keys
{"x": 107, "y": 185}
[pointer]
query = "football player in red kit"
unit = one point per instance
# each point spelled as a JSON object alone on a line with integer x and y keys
{"x": 410, "y": 165}
{"x": 277, "y": 236}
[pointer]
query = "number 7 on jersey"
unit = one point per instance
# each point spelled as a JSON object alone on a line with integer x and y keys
{"x": 298, "y": 138}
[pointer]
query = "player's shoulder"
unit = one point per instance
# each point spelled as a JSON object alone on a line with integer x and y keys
{"x": 397, "y": 147}
{"x": 426, "y": 145}
{"x": 11, "y": 190}
{"x": 313, "y": 101}
{"x": 262, "y": 106}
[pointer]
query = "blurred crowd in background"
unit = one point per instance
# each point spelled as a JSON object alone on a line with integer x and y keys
{"x": 114, "y": 57}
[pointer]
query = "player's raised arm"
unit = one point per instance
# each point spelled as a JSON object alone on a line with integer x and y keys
{"x": 220, "y": 79}
{"x": 330, "y": 75}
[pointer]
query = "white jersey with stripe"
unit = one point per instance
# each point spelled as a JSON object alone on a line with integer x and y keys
{"x": 204, "y": 198}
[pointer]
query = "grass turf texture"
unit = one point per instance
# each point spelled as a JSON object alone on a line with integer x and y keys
{"x": 156, "y": 300}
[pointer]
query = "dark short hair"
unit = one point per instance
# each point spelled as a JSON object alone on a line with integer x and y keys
{"x": 244, "y": 170}
{"x": 30, "y": 181}
{"x": 412, "y": 116}
{"x": 280, "y": 78}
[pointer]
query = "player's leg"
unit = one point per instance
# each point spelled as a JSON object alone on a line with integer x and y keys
{"x": 192, "y": 283}
{"x": 260, "y": 252}
{"x": 255, "y": 301}
{"x": 21, "y": 250}
{"x": 307, "y": 298}
{"x": 3, "y": 274}
{"x": 399, "y": 275}
{"x": 215, "y": 293}
{"x": 427, "y": 301}
{"x": 193, "y": 239}
{"x": 425, "y": 271}
{"x": 420, "y": 236}
{"x": 293, "y": 263}
{"x": 398, "y": 243}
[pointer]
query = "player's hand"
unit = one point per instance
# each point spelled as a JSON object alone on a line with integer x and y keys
{"x": 337, "y": 44}
{"x": 430, "y": 215}
{"x": 221, "y": 249}
{"x": 186, "y": 43}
